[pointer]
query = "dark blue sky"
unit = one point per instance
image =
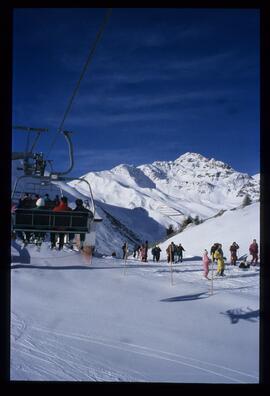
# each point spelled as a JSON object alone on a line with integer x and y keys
{"x": 162, "y": 82}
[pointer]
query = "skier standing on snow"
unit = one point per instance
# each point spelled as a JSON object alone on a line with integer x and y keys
{"x": 233, "y": 249}
{"x": 146, "y": 251}
{"x": 153, "y": 251}
{"x": 218, "y": 255}
{"x": 125, "y": 250}
{"x": 254, "y": 250}
{"x": 158, "y": 250}
{"x": 143, "y": 252}
{"x": 179, "y": 251}
{"x": 212, "y": 251}
{"x": 136, "y": 250}
{"x": 206, "y": 262}
{"x": 140, "y": 251}
{"x": 170, "y": 252}
{"x": 156, "y": 253}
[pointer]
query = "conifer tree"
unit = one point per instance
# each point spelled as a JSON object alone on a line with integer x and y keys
{"x": 170, "y": 230}
{"x": 246, "y": 201}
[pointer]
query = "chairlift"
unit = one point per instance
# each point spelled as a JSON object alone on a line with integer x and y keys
{"x": 33, "y": 182}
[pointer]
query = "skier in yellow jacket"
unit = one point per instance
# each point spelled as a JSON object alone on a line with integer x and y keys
{"x": 220, "y": 260}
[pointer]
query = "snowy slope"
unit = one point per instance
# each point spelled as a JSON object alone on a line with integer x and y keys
{"x": 241, "y": 226}
{"x": 107, "y": 320}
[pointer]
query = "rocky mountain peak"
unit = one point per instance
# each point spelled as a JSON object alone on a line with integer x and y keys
{"x": 170, "y": 190}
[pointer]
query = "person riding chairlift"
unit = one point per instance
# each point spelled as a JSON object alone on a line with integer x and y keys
{"x": 79, "y": 208}
{"x": 62, "y": 207}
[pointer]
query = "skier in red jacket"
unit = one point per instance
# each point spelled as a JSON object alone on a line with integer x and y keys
{"x": 254, "y": 250}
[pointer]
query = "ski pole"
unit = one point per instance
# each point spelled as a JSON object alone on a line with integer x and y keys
{"x": 125, "y": 264}
{"x": 212, "y": 277}
{"x": 171, "y": 275}
{"x": 171, "y": 266}
{"x": 91, "y": 254}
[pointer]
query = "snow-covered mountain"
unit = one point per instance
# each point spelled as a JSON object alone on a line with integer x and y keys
{"x": 257, "y": 177}
{"x": 139, "y": 203}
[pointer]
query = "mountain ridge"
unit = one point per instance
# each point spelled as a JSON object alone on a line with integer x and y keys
{"x": 169, "y": 191}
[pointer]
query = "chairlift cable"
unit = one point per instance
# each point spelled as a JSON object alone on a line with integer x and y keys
{"x": 35, "y": 141}
{"x": 89, "y": 58}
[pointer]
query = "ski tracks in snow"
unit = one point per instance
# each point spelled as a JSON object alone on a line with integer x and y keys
{"x": 56, "y": 355}
{"x": 42, "y": 354}
{"x": 39, "y": 353}
{"x": 18, "y": 327}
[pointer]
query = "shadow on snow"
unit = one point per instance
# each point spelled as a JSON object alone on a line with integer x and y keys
{"x": 238, "y": 313}
{"x": 24, "y": 256}
{"x": 194, "y": 258}
{"x": 177, "y": 270}
{"x": 187, "y": 297}
{"x": 68, "y": 267}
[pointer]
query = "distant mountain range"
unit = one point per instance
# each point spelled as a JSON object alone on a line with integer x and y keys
{"x": 141, "y": 202}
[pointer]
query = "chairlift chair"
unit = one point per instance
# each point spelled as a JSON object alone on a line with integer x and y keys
{"x": 31, "y": 220}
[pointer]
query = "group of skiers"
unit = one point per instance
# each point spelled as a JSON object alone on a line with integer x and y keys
{"x": 36, "y": 202}
{"x": 175, "y": 252}
{"x": 175, "y": 255}
{"x": 216, "y": 254}
{"x": 141, "y": 251}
